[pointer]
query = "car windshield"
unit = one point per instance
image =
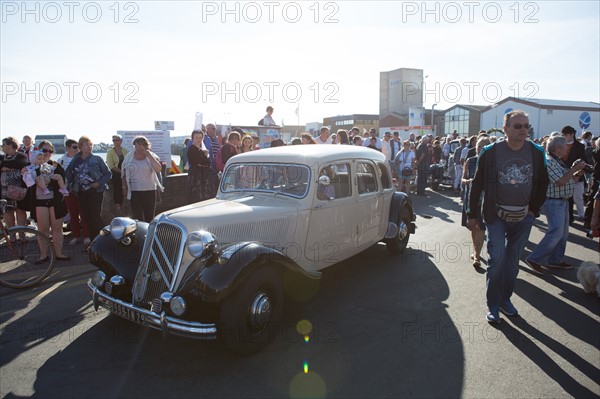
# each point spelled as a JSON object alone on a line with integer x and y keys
{"x": 277, "y": 178}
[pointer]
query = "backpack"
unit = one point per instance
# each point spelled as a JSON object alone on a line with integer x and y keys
{"x": 261, "y": 122}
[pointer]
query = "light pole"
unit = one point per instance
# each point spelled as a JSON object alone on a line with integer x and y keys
{"x": 495, "y": 115}
{"x": 423, "y": 91}
{"x": 432, "y": 125}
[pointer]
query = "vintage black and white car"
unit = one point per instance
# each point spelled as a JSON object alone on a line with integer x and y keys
{"x": 218, "y": 268}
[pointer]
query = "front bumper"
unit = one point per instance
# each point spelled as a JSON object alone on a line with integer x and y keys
{"x": 167, "y": 324}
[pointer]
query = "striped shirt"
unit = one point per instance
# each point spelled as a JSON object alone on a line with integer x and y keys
{"x": 212, "y": 144}
{"x": 556, "y": 170}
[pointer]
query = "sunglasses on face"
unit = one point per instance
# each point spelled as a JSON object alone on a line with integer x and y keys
{"x": 46, "y": 150}
{"x": 521, "y": 126}
{"x": 74, "y": 147}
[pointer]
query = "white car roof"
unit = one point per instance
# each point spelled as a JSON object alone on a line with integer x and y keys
{"x": 309, "y": 154}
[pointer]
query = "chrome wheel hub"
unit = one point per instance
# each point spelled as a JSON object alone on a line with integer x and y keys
{"x": 260, "y": 310}
{"x": 402, "y": 230}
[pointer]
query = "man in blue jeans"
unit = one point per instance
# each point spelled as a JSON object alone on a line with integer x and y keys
{"x": 556, "y": 207}
{"x": 512, "y": 174}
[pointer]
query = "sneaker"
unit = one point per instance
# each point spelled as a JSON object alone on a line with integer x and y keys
{"x": 561, "y": 265}
{"x": 508, "y": 309}
{"x": 87, "y": 241}
{"x": 74, "y": 241}
{"x": 536, "y": 267}
{"x": 492, "y": 315}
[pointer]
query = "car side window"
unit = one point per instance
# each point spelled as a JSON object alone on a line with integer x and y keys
{"x": 366, "y": 178}
{"x": 386, "y": 181}
{"x": 339, "y": 182}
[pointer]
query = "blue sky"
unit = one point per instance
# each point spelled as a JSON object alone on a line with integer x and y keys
{"x": 112, "y": 66}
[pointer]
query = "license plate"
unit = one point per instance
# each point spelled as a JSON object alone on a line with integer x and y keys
{"x": 128, "y": 314}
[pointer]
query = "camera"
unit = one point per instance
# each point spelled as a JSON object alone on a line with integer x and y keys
{"x": 587, "y": 168}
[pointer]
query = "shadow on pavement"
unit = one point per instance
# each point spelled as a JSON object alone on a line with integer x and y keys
{"x": 38, "y": 323}
{"x": 530, "y": 348}
{"x": 422, "y": 206}
{"x": 379, "y": 329}
{"x": 572, "y": 320}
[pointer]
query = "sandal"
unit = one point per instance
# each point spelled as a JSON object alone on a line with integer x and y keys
{"x": 63, "y": 258}
{"x": 40, "y": 261}
{"x": 476, "y": 264}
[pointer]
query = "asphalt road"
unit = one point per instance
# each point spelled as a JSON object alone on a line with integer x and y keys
{"x": 382, "y": 326}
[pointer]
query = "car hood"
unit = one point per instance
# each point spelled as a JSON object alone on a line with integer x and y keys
{"x": 267, "y": 219}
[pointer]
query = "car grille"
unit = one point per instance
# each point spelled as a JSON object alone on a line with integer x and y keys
{"x": 159, "y": 264}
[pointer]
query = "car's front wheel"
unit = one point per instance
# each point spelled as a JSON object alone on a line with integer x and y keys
{"x": 249, "y": 316}
{"x": 398, "y": 244}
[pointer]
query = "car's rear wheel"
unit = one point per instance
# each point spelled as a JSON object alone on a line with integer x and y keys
{"x": 249, "y": 316}
{"x": 398, "y": 244}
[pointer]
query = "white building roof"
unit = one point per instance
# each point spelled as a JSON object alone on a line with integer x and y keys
{"x": 561, "y": 103}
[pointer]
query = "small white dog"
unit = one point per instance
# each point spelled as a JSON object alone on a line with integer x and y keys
{"x": 589, "y": 276}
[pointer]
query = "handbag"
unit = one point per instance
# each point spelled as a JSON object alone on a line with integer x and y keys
{"x": 16, "y": 193}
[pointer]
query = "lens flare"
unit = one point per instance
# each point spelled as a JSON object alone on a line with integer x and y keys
{"x": 309, "y": 385}
{"x": 306, "y": 338}
{"x": 305, "y": 367}
{"x": 304, "y": 327}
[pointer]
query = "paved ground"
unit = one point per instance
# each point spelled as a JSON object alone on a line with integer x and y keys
{"x": 383, "y": 326}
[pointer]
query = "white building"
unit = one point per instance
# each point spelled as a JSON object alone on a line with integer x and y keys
{"x": 545, "y": 116}
{"x": 399, "y": 90}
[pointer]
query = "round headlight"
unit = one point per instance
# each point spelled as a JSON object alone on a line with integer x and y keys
{"x": 121, "y": 227}
{"x": 201, "y": 244}
{"x": 99, "y": 278}
{"x": 177, "y": 305}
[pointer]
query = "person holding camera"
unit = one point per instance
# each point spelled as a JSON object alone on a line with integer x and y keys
{"x": 556, "y": 207}
{"x": 574, "y": 151}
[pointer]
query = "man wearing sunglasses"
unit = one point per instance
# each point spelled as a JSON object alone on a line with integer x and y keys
{"x": 512, "y": 175}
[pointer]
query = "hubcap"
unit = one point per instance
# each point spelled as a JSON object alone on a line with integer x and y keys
{"x": 260, "y": 310}
{"x": 402, "y": 230}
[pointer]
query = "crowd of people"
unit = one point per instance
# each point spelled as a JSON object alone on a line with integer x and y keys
{"x": 74, "y": 185}
{"x": 504, "y": 184}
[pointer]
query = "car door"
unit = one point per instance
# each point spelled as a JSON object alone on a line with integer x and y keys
{"x": 370, "y": 204}
{"x": 331, "y": 235}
